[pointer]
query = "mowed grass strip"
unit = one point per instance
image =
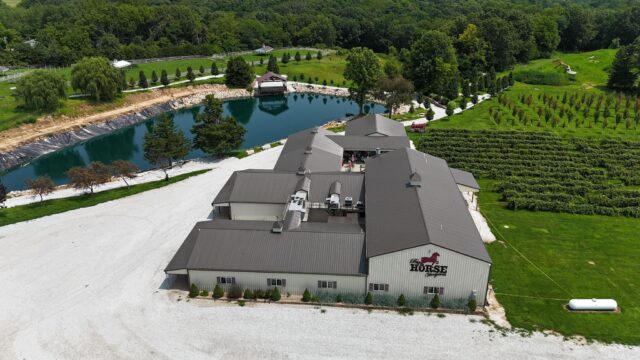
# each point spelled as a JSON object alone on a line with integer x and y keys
{"x": 55, "y": 206}
{"x": 585, "y": 256}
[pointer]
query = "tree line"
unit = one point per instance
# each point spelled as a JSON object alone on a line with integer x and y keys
{"x": 509, "y": 30}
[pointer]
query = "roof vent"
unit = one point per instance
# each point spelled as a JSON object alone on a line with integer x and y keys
{"x": 415, "y": 180}
{"x": 308, "y": 150}
{"x": 277, "y": 227}
{"x": 301, "y": 170}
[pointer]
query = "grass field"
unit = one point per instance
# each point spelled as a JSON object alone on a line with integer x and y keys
{"x": 329, "y": 68}
{"x": 541, "y": 260}
{"x": 12, "y": 3}
{"x": 56, "y": 206}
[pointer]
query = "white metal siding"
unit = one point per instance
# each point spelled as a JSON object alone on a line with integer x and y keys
{"x": 464, "y": 274}
{"x": 256, "y": 212}
{"x": 296, "y": 283}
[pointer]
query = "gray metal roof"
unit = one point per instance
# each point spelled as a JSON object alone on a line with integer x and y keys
{"x": 370, "y": 143}
{"x": 374, "y": 124}
{"x": 324, "y": 154}
{"x": 258, "y": 186}
{"x": 465, "y": 178}
{"x": 275, "y": 187}
{"x": 233, "y": 245}
{"x": 351, "y": 184}
{"x": 400, "y": 216}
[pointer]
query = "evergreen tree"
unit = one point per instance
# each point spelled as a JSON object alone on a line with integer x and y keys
{"x": 297, "y": 56}
{"x": 3, "y": 194}
{"x": 190, "y": 75}
{"x": 215, "y": 134}
{"x": 472, "y": 305}
{"x": 214, "y": 69}
{"x": 272, "y": 65}
{"x": 435, "y": 302}
{"x": 154, "y": 77}
{"x": 401, "y": 300}
{"x": 430, "y": 113}
{"x": 218, "y": 292}
{"x": 624, "y": 69}
{"x": 308, "y": 56}
{"x": 248, "y": 294}
{"x": 284, "y": 58}
{"x": 194, "y": 291}
{"x": 178, "y": 74}
{"x": 238, "y": 74}
{"x": 368, "y": 300}
{"x": 142, "y": 80}
{"x": 511, "y": 80}
{"x": 319, "y": 55}
{"x": 306, "y": 296}
{"x": 164, "y": 78}
{"x": 164, "y": 143}
{"x": 201, "y": 70}
{"x": 275, "y": 295}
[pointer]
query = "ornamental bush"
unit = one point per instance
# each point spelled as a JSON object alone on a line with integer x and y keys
{"x": 248, "y": 295}
{"x": 401, "y": 300}
{"x": 258, "y": 294}
{"x": 430, "y": 114}
{"x": 218, "y": 292}
{"x": 194, "y": 291}
{"x": 204, "y": 293}
{"x": 435, "y": 302}
{"x": 235, "y": 292}
{"x": 472, "y": 305}
{"x": 450, "y": 108}
{"x": 275, "y": 295}
{"x": 306, "y": 296}
{"x": 368, "y": 299}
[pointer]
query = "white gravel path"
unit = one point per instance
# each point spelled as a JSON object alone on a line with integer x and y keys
{"x": 87, "y": 284}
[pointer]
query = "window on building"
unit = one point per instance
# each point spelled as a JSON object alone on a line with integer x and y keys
{"x": 327, "y": 284}
{"x": 378, "y": 287}
{"x": 226, "y": 280}
{"x": 431, "y": 290}
{"x": 277, "y": 282}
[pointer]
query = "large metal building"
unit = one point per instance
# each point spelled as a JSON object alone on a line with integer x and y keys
{"x": 375, "y": 216}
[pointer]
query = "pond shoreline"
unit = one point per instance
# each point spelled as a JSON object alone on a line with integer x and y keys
{"x": 31, "y": 150}
{"x": 48, "y": 143}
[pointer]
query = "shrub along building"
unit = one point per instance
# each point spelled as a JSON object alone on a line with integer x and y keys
{"x": 347, "y": 214}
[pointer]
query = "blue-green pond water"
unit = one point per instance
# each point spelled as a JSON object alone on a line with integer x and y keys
{"x": 266, "y": 119}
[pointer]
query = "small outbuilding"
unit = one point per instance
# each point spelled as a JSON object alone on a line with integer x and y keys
{"x": 120, "y": 64}
{"x": 271, "y": 84}
{"x": 264, "y": 49}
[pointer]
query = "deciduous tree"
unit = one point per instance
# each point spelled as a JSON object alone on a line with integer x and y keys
{"x": 363, "y": 70}
{"x": 40, "y": 90}
{"x": 95, "y": 76}
{"x": 394, "y": 92}
{"x": 124, "y": 170}
{"x": 41, "y": 186}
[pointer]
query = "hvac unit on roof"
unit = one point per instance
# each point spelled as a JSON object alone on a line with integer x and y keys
{"x": 308, "y": 150}
{"x": 348, "y": 201}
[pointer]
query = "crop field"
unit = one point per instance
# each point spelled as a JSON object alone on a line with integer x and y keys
{"x": 542, "y": 171}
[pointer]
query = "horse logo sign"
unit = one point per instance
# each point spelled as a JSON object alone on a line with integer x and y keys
{"x": 430, "y": 265}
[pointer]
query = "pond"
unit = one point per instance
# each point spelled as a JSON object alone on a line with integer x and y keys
{"x": 267, "y": 119}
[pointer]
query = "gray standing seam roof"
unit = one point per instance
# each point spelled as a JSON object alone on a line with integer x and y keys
{"x": 400, "y": 216}
{"x": 325, "y": 155}
{"x": 231, "y": 245}
{"x": 258, "y": 186}
{"x": 370, "y": 143}
{"x": 372, "y": 124}
{"x": 273, "y": 187}
{"x": 464, "y": 178}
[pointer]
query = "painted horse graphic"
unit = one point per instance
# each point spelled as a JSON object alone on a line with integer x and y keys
{"x": 433, "y": 259}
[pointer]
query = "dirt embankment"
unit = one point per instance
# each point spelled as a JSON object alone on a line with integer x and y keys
{"x": 48, "y": 125}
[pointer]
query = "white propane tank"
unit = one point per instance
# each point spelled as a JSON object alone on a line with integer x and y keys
{"x": 593, "y": 304}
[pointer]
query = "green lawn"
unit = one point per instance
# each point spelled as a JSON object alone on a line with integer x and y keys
{"x": 592, "y": 67}
{"x": 329, "y": 68}
{"x": 12, "y": 3}
{"x": 541, "y": 260}
{"x": 55, "y": 206}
